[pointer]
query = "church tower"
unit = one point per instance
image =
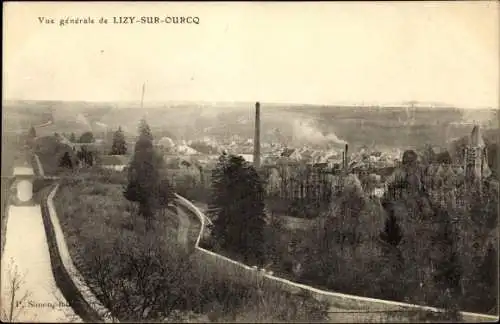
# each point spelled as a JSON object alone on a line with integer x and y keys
{"x": 476, "y": 162}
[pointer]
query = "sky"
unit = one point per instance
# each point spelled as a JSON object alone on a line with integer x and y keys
{"x": 296, "y": 52}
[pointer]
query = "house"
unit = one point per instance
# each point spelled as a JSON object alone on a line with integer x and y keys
{"x": 247, "y": 157}
{"x": 114, "y": 162}
{"x": 295, "y": 156}
{"x": 287, "y": 152}
{"x": 186, "y": 150}
{"x": 166, "y": 143}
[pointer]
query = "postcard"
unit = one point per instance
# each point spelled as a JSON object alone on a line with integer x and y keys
{"x": 250, "y": 162}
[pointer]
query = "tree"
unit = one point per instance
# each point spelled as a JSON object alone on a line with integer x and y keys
{"x": 428, "y": 155}
{"x": 492, "y": 154}
{"x": 30, "y": 140}
{"x": 85, "y": 156}
{"x": 65, "y": 161}
{"x": 342, "y": 225}
{"x": 392, "y": 233}
{"x": 203, "y": 147}
{"x": 449, "y": 269}
{"x": 32, "y": 132}
{"x": 488, "y": 273}
{"x": 145, "y": 130}
{"x": 72, "y": 138}
{"x": 119, "y": 146}
{"x": 87, "y": 137}
{"x": 145, "y": 185}
{"x": 237, "y": 204}
{"x": 16, "y": 294}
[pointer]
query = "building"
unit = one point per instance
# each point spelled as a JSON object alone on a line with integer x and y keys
{"x": 287, "y": 152}
{"x": 186, "y": 150}
{"x": 114, "y": 162}
{"x": 24, "y": 176}
{"x": 165, "y": 143}
{"x": 248, "y": 157}
{"x": 476, "y": 159}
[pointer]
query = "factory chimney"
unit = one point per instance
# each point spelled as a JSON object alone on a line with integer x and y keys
{"x": 256, "y": 141}
{"x": 346, "y": 157}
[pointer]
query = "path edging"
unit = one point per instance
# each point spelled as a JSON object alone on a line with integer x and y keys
{"x": 332, "y": 297}
{"x": 67, "y": 277}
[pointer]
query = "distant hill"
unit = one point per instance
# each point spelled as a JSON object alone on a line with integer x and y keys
{"x": 400, "y": 126}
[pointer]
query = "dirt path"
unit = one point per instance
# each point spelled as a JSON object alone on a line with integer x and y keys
{"x": 26, "y": 265}
{"x": 188, "y": 229}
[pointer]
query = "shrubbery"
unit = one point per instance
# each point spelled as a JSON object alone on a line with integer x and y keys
{"x": 147, "y": 277}
{"x": 389, "y": 251}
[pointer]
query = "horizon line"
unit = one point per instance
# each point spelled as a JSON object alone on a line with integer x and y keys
{"x": 409, "y": 103}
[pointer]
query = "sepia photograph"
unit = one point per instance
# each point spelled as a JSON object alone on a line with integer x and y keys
{"x": 250, "y": 162}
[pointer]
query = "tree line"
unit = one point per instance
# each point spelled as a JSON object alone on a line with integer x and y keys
{"x": 401, "y": 247}
{"x": 84, "y": 156}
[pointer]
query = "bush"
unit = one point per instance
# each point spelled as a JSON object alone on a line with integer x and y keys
{"x": 303, "y": 209}
{"x": 147, "y": 277}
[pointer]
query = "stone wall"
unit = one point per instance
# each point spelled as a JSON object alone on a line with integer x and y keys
{"x": 240, "y": 272}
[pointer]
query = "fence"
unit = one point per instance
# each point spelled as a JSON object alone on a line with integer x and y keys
{"x": 250, "y": 275}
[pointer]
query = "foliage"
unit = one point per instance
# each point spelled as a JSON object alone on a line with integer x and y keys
{"x": 16, "y": 292}
{"x": 438, "y": 261}
{"x": 488, "y": 273}
{"x": 119, "y": 146}
{"x": 72, "y": 138}
{"x": 87, "y": 137}
{"x": 85, "y": 157}
{"x": 238, "y": 207}
{"x": 187, "y": 187}
{"x": 66, "y": 161}
{"x": 303, "y": 209}
{"x": 32, "y": 132}
{"x": 145, "y": 277}
{"x": 345, "y": 218}
{"x": 204, "y": 147}
{"x": 145, "y": 130}
{"x": 146, "y": 186}
{"x": 392, "y": 233}
{"x": 31, "y": 136}
{"x": 449, "y": 272}
{"x": 493, "y": 163}
{"x": 50, "y": 151}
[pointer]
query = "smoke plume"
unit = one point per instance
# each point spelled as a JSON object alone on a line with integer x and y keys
{"x": 101, "y": 124}
{"x": 83, "y": 120}
{"x": 305, "y": 131}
